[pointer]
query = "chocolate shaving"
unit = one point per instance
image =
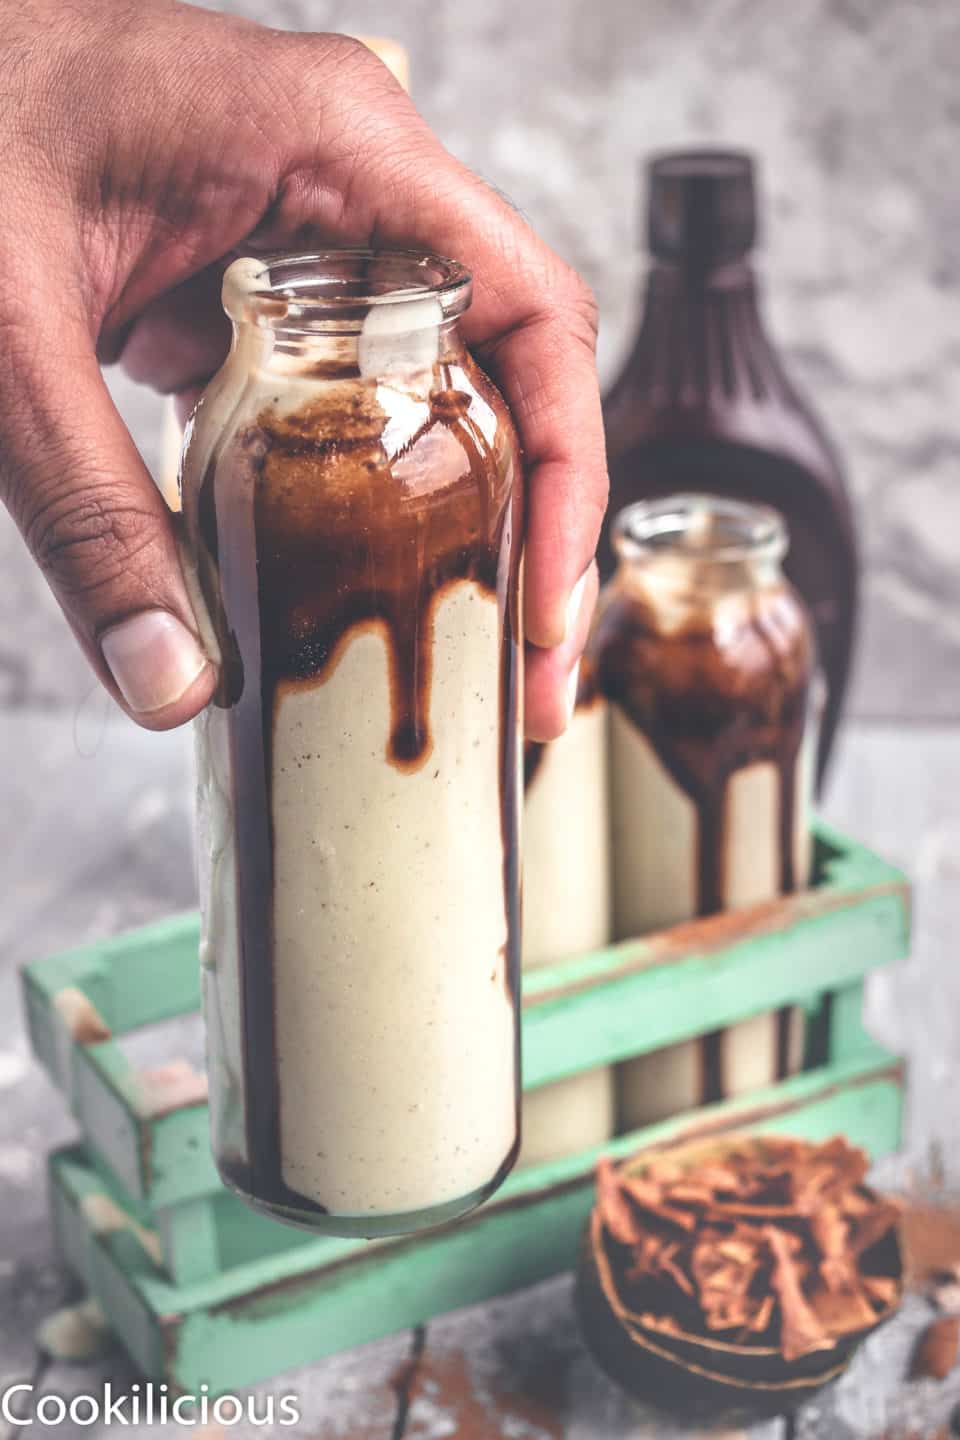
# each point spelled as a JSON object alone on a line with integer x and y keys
{"x": 830, "y": 1230}
{"x": 616, "y": 1212}
{"x": 762, "y": 1315}
{"x": 648, "y": 1198}
{"x": 881, "y": 1290}
{"x": 842, "y": 1310}
{"x": 721, "y": 1179}
{"x": 801, "y": 1331}
{"x": 664, "y": 1172}
{"x": 841, "y": 1303}
{"x": 762, "y": 1246}
{"x": 670, "y": 1267}
{"x": 684, "y": 1193}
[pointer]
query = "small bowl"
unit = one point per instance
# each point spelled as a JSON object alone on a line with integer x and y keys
{"x": 694, "y": 1375}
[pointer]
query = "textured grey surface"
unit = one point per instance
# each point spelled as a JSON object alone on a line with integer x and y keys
{"x": 100, "y": 812}
{"x": 852, "y": 107}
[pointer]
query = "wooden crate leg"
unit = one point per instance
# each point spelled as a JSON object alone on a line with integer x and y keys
{"x": 188, "y": 1240}
{"x": 847, "y": 1039}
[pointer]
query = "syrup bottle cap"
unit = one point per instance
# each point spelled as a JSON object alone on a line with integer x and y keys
{"x": 702, "y": 206}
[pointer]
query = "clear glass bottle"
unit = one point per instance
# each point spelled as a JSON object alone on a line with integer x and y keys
{"x": 706, "y": 654}
{"x": 351, "y": 490}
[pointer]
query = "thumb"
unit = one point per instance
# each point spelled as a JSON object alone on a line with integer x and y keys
{"x": 77, "y": 488}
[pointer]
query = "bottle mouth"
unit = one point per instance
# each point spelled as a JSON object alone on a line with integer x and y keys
{"x": 702, "y": 207}
{"x": 699, "y": 527}
{"x": 335, "y": 289}
{"x": 704, "y": 164}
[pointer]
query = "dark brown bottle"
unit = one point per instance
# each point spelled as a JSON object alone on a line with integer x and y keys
{"x": 703, "y": 403}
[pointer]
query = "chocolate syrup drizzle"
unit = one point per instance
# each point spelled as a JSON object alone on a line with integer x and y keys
{"x": 710, "y": 702}
{"x": 309, "y": 534}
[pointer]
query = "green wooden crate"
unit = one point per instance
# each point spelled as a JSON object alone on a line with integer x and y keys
{"x": 202, "y": 1290}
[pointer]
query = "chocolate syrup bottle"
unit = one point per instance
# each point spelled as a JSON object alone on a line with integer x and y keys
{"x": 703, "y": 403}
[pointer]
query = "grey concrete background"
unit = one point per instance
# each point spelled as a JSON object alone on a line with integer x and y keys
{"x": 853, "y": 109}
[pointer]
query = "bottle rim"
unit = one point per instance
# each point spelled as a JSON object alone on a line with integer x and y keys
{"x": 700, "y": 527}
{"x": 337, "y": 287}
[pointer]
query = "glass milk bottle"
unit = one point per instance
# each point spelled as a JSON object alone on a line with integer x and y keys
{"x": 351, "y": 494}
{"x": 706, "y": 655}
{"x": 566, "y": 905}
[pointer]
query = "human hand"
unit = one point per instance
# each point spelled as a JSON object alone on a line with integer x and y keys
{"x": 144, "y": 144}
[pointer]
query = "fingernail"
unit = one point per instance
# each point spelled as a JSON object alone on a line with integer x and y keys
{"x": 572, "y": 612}
{"x": 153, "y": 658}
{"x": 573, "y": 685}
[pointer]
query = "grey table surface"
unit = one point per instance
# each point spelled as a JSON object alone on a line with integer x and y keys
{"x": 98, "y": 823}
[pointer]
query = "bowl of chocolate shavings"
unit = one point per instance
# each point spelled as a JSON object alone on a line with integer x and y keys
{"x": 732, "y": 1279}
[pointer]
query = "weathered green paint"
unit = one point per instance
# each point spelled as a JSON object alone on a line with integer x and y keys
{"x": 189, "y": 1241}
{"x": 180, "y": 1164}
{"x": 139, "y": 978}
{"x": 263, "y": 1317}
{"x": 592, "y": 1010}
{"x": 241, "y": 1297}
{"x": 645, "y": 995}
{"x": 847, "y": 1035}
{"x": 105, "y": 1103}
{"x": 110, "y": 1265}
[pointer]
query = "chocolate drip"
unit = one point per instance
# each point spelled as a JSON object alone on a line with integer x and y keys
{"x": 312, "y": 531}
{"x": 784, "y": 1019}
{"x": 711, "y": 1067}
{"x": 712, "y": 701}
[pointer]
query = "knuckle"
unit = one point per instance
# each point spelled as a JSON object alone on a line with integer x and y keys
{"x": 354, "y": 59}
{"x": 326, "y": 65}
{"x": 582, "y": 310}
{"x": 85, "y": 540}
{"x": 352, "y": 118}
{"x": 595, "y": 508}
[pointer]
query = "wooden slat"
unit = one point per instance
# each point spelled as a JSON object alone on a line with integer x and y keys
{"x": 104, "y": 1102}
{"x": 847, "y": 1035}
{"x": 108, "y": 1264}
{"x": 640, "y": 995}
{"x": 188, "y": 1240}
{"x": 139, "y": 978}
{"x": 152, "y": 974}
{"x": 593, "y": 1010}
{"x": 289, "y": 1309}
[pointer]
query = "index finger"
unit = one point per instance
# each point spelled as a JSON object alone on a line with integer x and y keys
{"x": 532, "y": 322}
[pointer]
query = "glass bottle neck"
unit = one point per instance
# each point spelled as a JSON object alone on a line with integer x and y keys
{"x": 702, "y": 342}
{"x": 671, "y": 280}
{"x": 374, "y": 314}
{"x": 697, "y": 582}
{"x": 373, "y": 353}
{"x": 695, "y": 548}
